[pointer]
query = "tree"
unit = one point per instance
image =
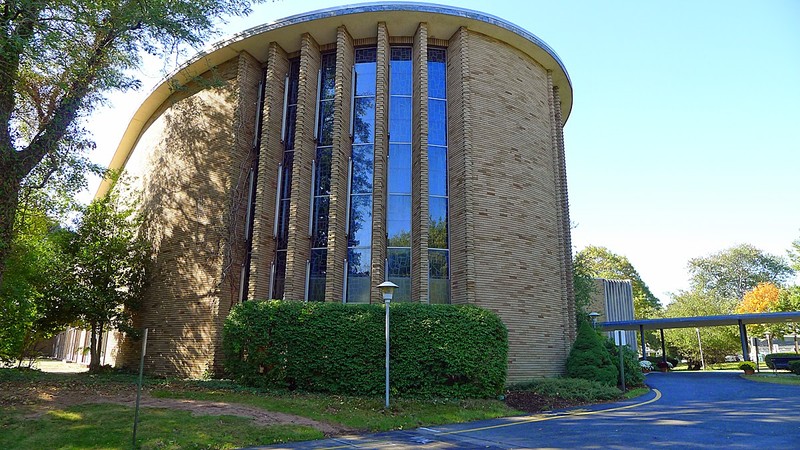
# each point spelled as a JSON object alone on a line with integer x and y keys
{"x": 583, "y": 284}
{"x": 762, "y": 298}
{"x": 718, "y": 342}
{"x": 734, "y": 271}
{"x": 108, "y": 269}
{"x": 794, "y": 255}
{"x": 27, "y": 307}
{"x": 589, "y": 359}
{"x": 603, "y": 263}
{"x": 58, "y": 57}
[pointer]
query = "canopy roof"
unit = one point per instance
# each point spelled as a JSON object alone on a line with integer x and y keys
{"x": 702, "y": 321}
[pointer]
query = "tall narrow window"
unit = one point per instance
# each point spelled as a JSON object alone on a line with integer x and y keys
{"x": 438, "y": 248}
{"x": 285, "y": 180}
{"x": 398, "y": 218}
{"x": 359, "y": 243}
{"x": 321, "y": 187}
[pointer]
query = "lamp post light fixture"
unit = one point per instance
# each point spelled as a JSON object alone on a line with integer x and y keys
{"x": 387, "y": 290}
{"x": 594, "y": 315}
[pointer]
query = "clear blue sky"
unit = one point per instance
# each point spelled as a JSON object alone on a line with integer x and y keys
{"x": 684, "y": 137}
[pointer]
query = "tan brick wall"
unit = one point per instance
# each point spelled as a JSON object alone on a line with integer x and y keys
{"x": 419, "y": 168}
{"x": 342, "y": 147}
{"x": 298, "y": 247}
{"x": 516, "y": 228}
{"x": 270, "y": 156}
{"x": 462, "y": 179}
{"x": 191, "y": 165}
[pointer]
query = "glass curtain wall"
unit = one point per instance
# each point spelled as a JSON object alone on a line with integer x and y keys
{"x": 398, "y": 218}
{"x": 438, "y": 248}
{"x": 321, "y": 186}
{"x": 359, "y": 245}
{"x": 285, "y": 182}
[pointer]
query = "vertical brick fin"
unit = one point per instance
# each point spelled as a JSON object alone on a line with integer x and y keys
{"x": 298, "y": 245}
{"x": 566, "y": 232}
{"x": 242, "y": 156}
{"x": 270, "y": 155}
{"x": 379, "y": 192}
{"x": 460, "y": 152}
{"x": 419, "y": 181}
{"x": 342, "y": 147}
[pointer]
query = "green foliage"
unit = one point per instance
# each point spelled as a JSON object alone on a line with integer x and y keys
{"x": 27, "y": 313}
{"x": 747, "y": 365}
{"x": 794, "y": 367}
{"x": 657, "y": 359}
{"x": 630, "y": 361}
{"x": 108, "y": 269}
{"x": 570, "y": 389}
{"x": 600, "y": 262}
{"x": 732, "y": 272}
{"x": 436, "y": 350}
{"x": 717, "y": 341}
{"x": 589, "y": 358}
{"x": 583, "y": 283}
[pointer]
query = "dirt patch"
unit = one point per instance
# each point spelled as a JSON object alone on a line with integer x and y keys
{"x": 532, "y": 402}
{"x": 42, "y": 397}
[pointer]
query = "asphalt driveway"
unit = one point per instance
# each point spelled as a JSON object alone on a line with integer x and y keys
{"x": 684, "y": 410}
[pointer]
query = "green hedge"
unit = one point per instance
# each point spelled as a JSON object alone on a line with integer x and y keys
{"x": 768, "y": 358}
{"x": 436, "y": 350}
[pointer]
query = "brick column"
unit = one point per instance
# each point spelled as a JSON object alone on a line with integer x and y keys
{"x": 342, "y": 147}
{"x": 379, "y": 187}
{"x": 270, "y": 155}
{"x": 562, "y": 210}
{"x": 462, "y": 204}
{"x": 298, "y": 246}
{"x": 419, "y": 181}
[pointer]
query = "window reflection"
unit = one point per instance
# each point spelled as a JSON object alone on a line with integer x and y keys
{"x": 438, "y": 253}
{"x": 361, "y": 177}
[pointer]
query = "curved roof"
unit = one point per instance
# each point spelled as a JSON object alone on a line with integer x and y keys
{"x": 401, "y": 19}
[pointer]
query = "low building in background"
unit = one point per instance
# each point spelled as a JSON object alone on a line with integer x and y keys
{"x": 613, "y": 300}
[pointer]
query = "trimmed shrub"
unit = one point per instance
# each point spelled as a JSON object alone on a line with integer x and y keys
{"x": 630, "y": 360}
{"x": 747, "y": 365}
{"x": 768, "y": 358}
{"x": 794, "y": 366}
{"x": 589, "y": 358}
{"x": 436, "y": 350}
{"x": 569, "y": 389}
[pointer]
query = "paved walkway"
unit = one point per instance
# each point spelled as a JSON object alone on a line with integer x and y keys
{"x": 685, "y": 410}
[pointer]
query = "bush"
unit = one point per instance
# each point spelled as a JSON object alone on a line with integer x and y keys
{"x": 569, "y": 389}
{"x": 589, "y": 358}
{"x": 646, "y": 365}
{"x": 794, "y": 366}
{"x": 768, "y": 358}
{"x": 436, "y": 350}
{"x": 657, "y": 359}
{"x": 747, "y": 365}
{"x": 630, "y": 359}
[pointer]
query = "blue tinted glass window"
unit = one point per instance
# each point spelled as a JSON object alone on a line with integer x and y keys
{"x": 437, "y": 170}
{"x": 328, "y": 82}
{"x": 400, "y": 119}
{"x": 364, "y": 127}
{"x": 439, "y": 276}
{"x": 437, "y": 228}
{"x": 360, "y": 220}
{"x": 437, "y": 122}
{"x": 325, "y": 134}
{"x": 316, "y": 282}
{"x": 320, "y": 222}
{"x": 363, "y": 166}
{"x": 400, "y": 168}
{"x": 401, "y": 70}
{"x": 365, "y": 79}
{"x": 399, "y": 273}
{"x": 322, "y": 179}
{"x": 398, "y": 224}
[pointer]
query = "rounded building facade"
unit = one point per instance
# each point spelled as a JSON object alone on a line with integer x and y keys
{"x": 313, "y": 158}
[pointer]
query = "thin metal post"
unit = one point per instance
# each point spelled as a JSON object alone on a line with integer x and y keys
{"x": 386, "y": 303}
{"x": 139, "y": 387}
{"x": 663, "y": 347}
{"x": 700, "y": 344}
{"x": 621, "y": 361}
{"x": 644, "y": 348}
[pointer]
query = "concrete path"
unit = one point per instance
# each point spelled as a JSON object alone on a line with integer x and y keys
{"x": 685, "y": 410}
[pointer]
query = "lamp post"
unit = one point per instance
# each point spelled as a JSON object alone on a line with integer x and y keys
{"x": 594, "y": 315}
{"x": 387, "y": 290}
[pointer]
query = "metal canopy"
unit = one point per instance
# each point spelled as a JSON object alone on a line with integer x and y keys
{"x": 703, "y": 321}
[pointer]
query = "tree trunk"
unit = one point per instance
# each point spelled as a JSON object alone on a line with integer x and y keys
{"x": 94, "y": 361}
{"x": 9, "y": 197}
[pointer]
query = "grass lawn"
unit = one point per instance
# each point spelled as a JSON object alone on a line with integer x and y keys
{"x": 81, "y": 410}
{"x": 779, "y": 378}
